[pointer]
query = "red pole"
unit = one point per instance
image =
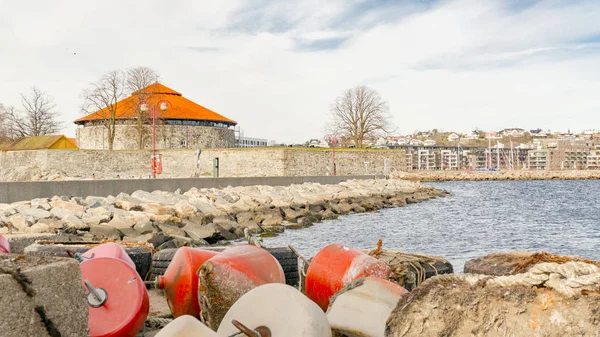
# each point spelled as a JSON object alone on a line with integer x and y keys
{"x": 153, "y": 111}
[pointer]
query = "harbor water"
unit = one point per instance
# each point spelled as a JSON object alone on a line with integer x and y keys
{"x": 478, "y": 218}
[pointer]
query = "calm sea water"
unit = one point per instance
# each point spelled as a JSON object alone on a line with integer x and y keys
{"x": 478, "y": 218}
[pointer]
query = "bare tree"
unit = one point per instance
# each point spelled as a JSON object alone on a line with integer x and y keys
{"x": 138, "y": 80}
{"x": 102, "y": 98}
{"x": 4, "y": 136}
{"x": 360, "y": 112}
{"x": 37, "y": 116}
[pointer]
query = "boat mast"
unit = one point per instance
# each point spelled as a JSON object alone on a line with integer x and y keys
{"x": 498, "y": 155}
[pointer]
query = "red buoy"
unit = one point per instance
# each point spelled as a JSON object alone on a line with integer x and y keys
{"x": 180, "y": 281}
{"x": 336, "y": 265}
{"x": 117, "y": 299}
{"x": 109, "y": 250}
{"x": 4, "y": 246}
{"x": 225, "y": 277}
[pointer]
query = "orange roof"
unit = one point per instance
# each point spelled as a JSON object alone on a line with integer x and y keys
{"x": 179, "y": 107}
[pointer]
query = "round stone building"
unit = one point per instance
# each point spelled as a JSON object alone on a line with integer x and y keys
{"x": 184, "y": 124}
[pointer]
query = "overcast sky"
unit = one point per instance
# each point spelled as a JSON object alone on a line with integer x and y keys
{"x": 275, "y": 66}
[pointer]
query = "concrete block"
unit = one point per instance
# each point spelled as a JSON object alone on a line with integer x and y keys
{"x": 19, "y": 241}
{"x": 45, "y": 298}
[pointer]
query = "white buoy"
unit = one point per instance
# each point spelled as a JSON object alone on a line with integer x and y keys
{"x": 362, "y": 307}
{"x": 186, "y": 326}
{"x": 281, "y": 309}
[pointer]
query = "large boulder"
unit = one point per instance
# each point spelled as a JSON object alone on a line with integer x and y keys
{"x": 41, "y": 296}
{"x": 549, "y": 300}
{"x": 71, "y": 206}
{"x": 499, "y": 264}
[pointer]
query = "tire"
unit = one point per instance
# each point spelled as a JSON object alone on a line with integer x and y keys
{"x": 286, "y": 258}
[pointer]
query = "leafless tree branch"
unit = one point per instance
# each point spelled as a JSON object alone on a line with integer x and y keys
{"x": 358, "y": 113}
{"x": 138, "y": 79}
{"x": 102, "y": 98}
{"x": 37, "y": 116}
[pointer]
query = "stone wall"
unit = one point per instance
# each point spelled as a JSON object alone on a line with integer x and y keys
{"x": 167, "y": 137}
{"x": 256, "y": 162}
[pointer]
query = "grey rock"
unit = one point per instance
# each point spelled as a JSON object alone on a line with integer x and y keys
{"x": 328, "y": 215}
{"x": 57, "y": 288}
{"x": 60, "y": 212}
{"x": 252, "y": 226}
{"x": 154, "y": 198}
{"x": 204, "y": 205}
{"x": 71, "y": 221}
{"x": 272, "y": 220}
{"x": 167, "y": 245}
{"x": 344, "y": 208}
{"x": 98, "y": 211}
{"x": 40, "y": 228}
{"x": 19, "y": 222}
{"x": 139, "y": 238}
{"x": 171, "y": 230}
{"x": 129, "y": 204}
{"x": 316, "y": 208}
{"x": 70, "y": 206}
{"x": 95, "y": 219}
{"x": 291, "y": 214}
{"x": 55, "y": 225}
{"x": 105, "y": 232}
{"x": 226, "y": 223}
{"x": 41, "y": 203}
{"x": 144, "y": 227}
{"x": 36, "y": 213}
{"x": 158, "y": 239}
{"x": 202, "y": 232}
{"x": 182, "y": 241}
{"x": 244, "y": 217}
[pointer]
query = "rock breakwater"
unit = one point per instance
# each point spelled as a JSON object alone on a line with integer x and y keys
{"x": 497, "y": 175}
{"x": 201, "y": 217}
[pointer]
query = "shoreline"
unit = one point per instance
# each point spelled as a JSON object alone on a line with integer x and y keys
{"x": 202, "y": 217}
{"x": 435, "y": 176}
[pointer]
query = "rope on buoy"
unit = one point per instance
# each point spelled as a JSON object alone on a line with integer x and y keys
{"x": 158, "y": 322}
{"x": 568, "y": 279}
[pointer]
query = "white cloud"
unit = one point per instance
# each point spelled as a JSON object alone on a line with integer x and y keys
{"x": 446, "y": 65}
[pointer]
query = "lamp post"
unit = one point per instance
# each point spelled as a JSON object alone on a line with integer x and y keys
{"x": 163, "y": 106}
{"x": 333, "y": 139}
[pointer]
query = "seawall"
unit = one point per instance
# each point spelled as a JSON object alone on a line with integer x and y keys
{"x": 18, "y": 191}
{"x": 254, "y": 162}
{"x": 498, "y": 175}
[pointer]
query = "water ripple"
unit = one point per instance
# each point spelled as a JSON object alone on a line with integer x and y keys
{"x": 476, "y": 219}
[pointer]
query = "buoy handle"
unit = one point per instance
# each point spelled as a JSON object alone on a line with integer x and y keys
{"x": 261, "y": 331}
{"x": 97, "y": 296}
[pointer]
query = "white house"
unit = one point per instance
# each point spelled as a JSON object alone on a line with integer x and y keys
{"x": 453, "y": 137}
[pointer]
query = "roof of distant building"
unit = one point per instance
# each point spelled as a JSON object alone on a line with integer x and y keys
{"x": 41, "y": 143}
{"x": 179, "y": 107}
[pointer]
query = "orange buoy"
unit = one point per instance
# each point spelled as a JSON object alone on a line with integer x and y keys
{"x": 4, "y": 245}
{"x": 180, "y": 281}
{"x": 336, "y": 265}
{"x": 117, "y": 299}
{"x": 225, "y": 277}
{"x": 109, "y": 250}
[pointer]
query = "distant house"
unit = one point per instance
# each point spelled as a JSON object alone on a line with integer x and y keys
{"x": 55, "y": 142}
{"x": 453, "y": 137}
{"x": 429, "y": 142}
{"x": 538, "y": 133}
{"x": 514, "y": 132}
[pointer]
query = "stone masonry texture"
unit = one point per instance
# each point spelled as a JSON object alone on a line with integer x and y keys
{"x": 47, "y": 295}
{"x": 254, "y": 162}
